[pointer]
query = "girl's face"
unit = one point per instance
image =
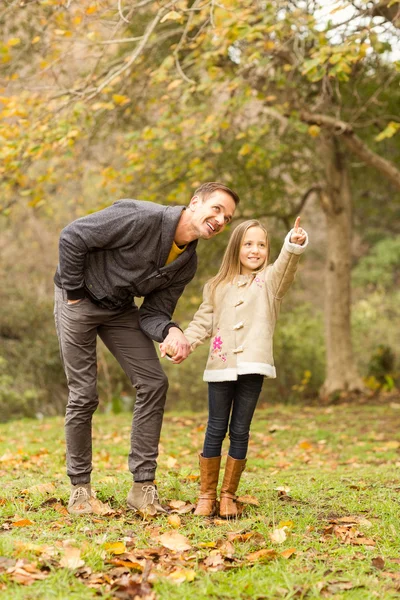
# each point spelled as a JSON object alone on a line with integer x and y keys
{"x": 253, "y": 251}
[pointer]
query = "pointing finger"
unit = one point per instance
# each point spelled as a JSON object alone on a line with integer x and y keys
{"x": 297, "y": 224}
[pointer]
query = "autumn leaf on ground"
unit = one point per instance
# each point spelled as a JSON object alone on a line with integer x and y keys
{"x": 214, "y": 562}
{"x": 282, "y": 491}
{"x": 72, "y": 558}
{"x": 175, "y": 541}
{"x": 181, "y": 575}
{"x": 246, "y": 499}
{"x": 263, "y": 555}
{"x": 44, "y": 550}
{"x": 128, "y": 587}
{"x": 43, "y": 488}
{"x": 174, "y": 521}
{"x": 100, "y": 508}
{"x": 278, "y": 536}
{"x": 180, "y": 507}
{"x": 378, "y": 562}
{"x": 115, "y": 547}
{"x": 288, "y": 552}
{"x": 22, "y": 523}
{"x": 25, "y": 573}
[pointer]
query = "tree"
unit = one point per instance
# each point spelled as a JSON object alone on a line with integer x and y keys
{"x": 254, "y": 93}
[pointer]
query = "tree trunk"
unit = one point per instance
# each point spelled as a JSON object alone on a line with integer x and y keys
{"x": 341, "y": 373}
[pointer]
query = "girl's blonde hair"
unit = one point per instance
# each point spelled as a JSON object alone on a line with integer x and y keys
{"x": 230, "y": 265}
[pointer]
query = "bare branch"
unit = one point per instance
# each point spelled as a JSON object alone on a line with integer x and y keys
{"x": 120, "y": 12}
{"x": 139, "y": 49}
{"x": 355, "y": 144}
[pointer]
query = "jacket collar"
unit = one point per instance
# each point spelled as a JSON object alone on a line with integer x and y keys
{"x": 170, "y": 221}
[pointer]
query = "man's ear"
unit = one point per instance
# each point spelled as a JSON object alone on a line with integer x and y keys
{"x": 194, "y": 201}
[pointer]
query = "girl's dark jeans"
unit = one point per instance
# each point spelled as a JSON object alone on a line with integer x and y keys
{"x": 237, "y": 399}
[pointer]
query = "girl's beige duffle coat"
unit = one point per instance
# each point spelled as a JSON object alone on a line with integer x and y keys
{"x": 242, "y": 317}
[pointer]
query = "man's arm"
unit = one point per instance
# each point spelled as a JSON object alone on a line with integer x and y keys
{"x": 109, "y": 228}
{"x": 157, "y": 309}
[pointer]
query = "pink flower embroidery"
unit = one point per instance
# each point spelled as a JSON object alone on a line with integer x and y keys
{"x": 217, "y": 343}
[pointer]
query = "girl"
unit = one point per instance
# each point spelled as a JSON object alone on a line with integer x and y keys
{"x": 239, "y": 311}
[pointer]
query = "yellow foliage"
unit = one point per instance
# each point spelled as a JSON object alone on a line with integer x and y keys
{"x": 314, "y": 131}
{"x": 13, "y": 42}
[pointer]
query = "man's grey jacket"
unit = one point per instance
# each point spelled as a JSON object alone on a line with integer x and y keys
{"x": 120, "y": 252}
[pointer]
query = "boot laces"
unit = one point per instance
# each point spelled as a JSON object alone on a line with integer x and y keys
{"x": 80, "y": 493}
{"x": 151, "y": 491}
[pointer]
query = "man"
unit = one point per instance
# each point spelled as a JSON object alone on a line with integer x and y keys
{"x": 129, "y": 249}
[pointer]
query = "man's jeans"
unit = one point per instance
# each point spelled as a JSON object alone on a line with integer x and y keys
{"x": 77, "y": 328}
{"x": 241, "y": 396}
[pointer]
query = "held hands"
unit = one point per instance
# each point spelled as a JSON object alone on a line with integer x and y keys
{"x": 298, "y": 236}
{"x": 175, "y": 346}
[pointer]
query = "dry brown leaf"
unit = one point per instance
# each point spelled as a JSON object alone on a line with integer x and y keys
{"x": 177, "y": 504}
{"x": 288, "y": 552}
{"x": 378, "y": 562}
{"x": 264, "y": 555}
{"x": 130, "y": 564}
{"x": 25, "y": 573}
{"x": 338, "y": 586}
{"x": 41, "y": 488}
{"x": 72, "y": 558}
{"x": 100, "y": 508}
{"x": 214, "y": 562}
{"x": 175, "y": 541}
{"x": 246, "y": 499}
{"x": 174, "y": 521}
{"x": 220, "y": 521}
{"x": 227, "y": 549}
{"x": 129, "y": 588}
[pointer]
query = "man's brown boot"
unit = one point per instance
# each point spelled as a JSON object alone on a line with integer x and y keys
{"x": 228, "y": 508}
{"x": 209, "y": 473}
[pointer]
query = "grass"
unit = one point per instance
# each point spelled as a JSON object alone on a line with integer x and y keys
{"x": 332, "y": 463}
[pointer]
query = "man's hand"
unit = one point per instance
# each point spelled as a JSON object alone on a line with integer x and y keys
{"x": 298, "y": 236}
{"x": 176, "y": 342}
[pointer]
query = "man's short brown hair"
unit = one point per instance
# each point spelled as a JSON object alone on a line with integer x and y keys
{"x": 206, "y": 189}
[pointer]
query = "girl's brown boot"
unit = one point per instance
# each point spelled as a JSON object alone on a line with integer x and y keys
{"x": 228, "y": 508}
{"x": 209, "y": 473}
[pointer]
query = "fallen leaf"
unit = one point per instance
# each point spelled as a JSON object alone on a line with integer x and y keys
{"x": 246, "y": 499}
{"x": 278, "y": 536}
{"x": 177, "y": 504}
{"x": 288, "y": 552}
{"x": 115, "y": 547}
{"x": 264, "y": 555}
{"x": 378, "y": 562}
{"x": 214, "y": 562}
{"x": 25, "y": 573}
{"x": 171, "y": 462}
{"x": 42, "y": 488}
{"x": 174, "y": 521}
{"x": 100, "y": 508}
{"x": 175, "y": 541}
{"x": 22, "y": 523}
{"x": 182, "y": 575}
{"x": 72, "y": 558}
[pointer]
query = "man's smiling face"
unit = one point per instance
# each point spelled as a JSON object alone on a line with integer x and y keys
{"x": 210, "y": 216}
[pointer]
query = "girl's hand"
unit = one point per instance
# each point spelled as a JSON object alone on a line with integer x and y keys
{"x": 298, "y": 236}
